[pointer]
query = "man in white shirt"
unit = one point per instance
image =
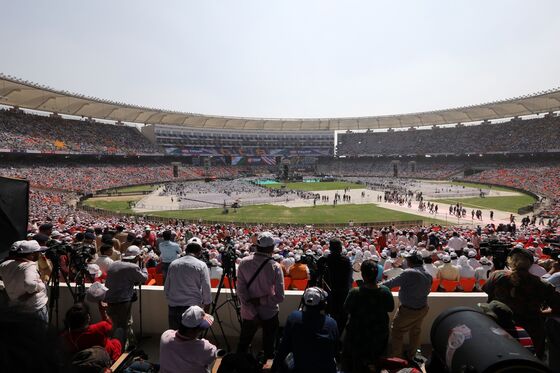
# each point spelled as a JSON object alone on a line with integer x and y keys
{"x": 22, "y": 281}
{"x": 187, "y": 283}
{"x": 456, "y": 242}
{"x": 104, "y": 260}
{"x": 182, "y": 350}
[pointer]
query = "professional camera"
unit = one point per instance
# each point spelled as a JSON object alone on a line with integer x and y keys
{"x": 497, "y": 249}
{"x": 228, "y": 255}
{"x": 78, "y": 254}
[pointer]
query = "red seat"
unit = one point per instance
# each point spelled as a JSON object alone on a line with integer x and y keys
{"x": 159, "y": 279}
{"x": 287, "y": 282}
{"x": 467, "y": 284}
{"x": 481, "y": 282}
{"x": 396, "y": 289}
{"x": 151, "y": 282}
{"x": 448, "y": 285}
{"x": 214, "y": 282}
{"x": 227, "y": 283}
{"x": 435, "y": 284}
{"x": 354, "y": 284}
{"x": 299, "y": 284}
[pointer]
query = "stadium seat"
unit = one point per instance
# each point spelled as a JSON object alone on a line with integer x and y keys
{"x": 287, "y": 282}
{"x": 151, "y": 272}
{"x": 227, "y": 283}
{"x": 435, "y": 284}
{"x": 481, "y": 283}
{"x": 151, "y": 282}
{"x": 214, "y": 282}
{"x": 159, "y": 279}
{"x": 299, "y": 284}
{"x": 396, "y": 289}
{"x": 467, "y": 284}
{"x": 448, "y": 285}
{"x": 354, "y": 284}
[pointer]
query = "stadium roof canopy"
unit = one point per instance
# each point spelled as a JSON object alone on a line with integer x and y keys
{"x": 28, "y": 95}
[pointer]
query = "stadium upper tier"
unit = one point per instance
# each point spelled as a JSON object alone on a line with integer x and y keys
{"x": 24, "y": 94}
{"x": 539, "y": 135}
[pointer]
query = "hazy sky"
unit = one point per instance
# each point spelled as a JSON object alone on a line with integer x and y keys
{"x": 286, "y": 58}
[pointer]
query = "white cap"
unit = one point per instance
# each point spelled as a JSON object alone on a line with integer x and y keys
{"x": 446, "y": 259}
{"x": 195, "y": 240}
{"x": 314, "y": 296}
{"x": 25, "y": 247}
{"x": 195, "y": 317}
{"x": 265, "y": 239}
{"x": 131, "y": 252}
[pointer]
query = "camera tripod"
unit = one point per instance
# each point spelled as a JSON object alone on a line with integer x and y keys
{"x": 233, "y": 300}
{"x": 78, "y": 292}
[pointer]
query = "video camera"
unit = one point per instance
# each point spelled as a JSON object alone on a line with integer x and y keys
{"x": 497, "y": 249}
{"x": 229, "y": 255}
{"x": 78, "y": 254}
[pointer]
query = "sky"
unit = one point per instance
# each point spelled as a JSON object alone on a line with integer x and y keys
{"x": 289, "y": 58}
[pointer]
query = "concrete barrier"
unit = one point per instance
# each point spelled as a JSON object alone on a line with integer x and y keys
{"x": 154, "y": 309}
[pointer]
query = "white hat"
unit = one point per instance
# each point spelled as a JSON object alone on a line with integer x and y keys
{"x": 94, "y": 270}
{"x": 265, "y": 239}
{"x": 471, "y": 254}
{"x": 131, "y": 252}
{"x": 195, "y": 240}
{"x": 446, "y": 259}
{"x": 313, "y": 296}
{"x": 484, "y": 261}
{"x": 195, "y": 317}
{"x": 25, "y": 247}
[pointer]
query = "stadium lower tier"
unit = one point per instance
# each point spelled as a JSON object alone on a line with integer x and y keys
{"x": 155, "y": 318}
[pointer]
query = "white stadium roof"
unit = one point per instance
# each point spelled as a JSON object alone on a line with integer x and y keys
{"x": 28, "y": 95}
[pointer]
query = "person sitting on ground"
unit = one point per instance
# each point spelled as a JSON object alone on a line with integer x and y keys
{"x": 182, "y": 350}
{"x": 368, "y": 329}
{"x": 80, "y": 334}
{"x": 310, "y": 336}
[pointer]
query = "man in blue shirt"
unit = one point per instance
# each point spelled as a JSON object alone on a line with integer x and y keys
{"x": 169, "y": 251}
{"x": 415, "y": 284}
{"x": 310, "y": 336}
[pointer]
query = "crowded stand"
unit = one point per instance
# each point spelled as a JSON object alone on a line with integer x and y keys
{"x": 23, "y": 132}
{"x": 384, "y": 167}
{"x": 543, "y": 181}
{"x": 523, "y": 136}
{"x": 87, "y": 178}
{"x": 449, "y": 259}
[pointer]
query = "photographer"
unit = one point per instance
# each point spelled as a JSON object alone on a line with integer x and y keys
{"x": 21, "y": 278}
{"x": 187, "y": 283}
{"x": 121, "y": 278}
{"x": 260, "y": 288}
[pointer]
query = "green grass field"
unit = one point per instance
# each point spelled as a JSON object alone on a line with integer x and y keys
{"x": 118, "y": 204}
{"x": 330, "y": 185}
{"x": 510, "y": 203}
{"x": 279, "y": 214}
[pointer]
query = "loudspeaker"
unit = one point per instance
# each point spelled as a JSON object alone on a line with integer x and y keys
{"x": 14, "y": 212}
{"x": 175, "y": 171}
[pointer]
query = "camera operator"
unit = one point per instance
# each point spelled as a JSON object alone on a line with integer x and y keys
{"x": 22, "y": 281}
{"x": 260, "y": 288}
{"x": 187, "y": 283}
{"x": 335, "y": 276}
{"x": 121, "y": 277}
